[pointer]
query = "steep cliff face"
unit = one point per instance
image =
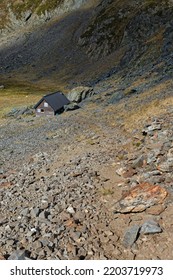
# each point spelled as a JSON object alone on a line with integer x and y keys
{"x": 95, "y": 40}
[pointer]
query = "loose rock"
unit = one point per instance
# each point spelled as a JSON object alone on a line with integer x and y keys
{"x": 150, "y": 227}
{"x": 131, "y": 236}
{"x": 140, "y": 198}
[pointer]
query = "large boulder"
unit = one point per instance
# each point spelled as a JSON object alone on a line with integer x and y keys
{"x": 80, "y": 93}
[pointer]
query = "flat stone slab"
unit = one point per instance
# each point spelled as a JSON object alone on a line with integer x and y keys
{"x": 140, "y": 198}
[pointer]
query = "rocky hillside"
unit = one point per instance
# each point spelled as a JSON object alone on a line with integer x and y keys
{"x": 86, "y": 185}
{"x": 88, "y": 44}
{"x": 95, "y": 182}
{"x": 20, "y": 13}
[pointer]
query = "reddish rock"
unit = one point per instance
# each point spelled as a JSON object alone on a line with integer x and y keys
{"x": 1, "y": 257}
{"x": 140, "y": 198}
{"x": 5, "y": 185}
{"x": 156, "y": 209}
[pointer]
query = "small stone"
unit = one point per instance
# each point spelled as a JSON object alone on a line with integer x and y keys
{"x": 37, "y": 245}
{"x": 35, "y": 212}
{"x": 151, "y": 128}
{"x": 9, "y": 242}
{"x": 166, "y": 166}
{"x": 75, "y": 235}
{"x": 42, "y": 215}
{"x": 70, "y": 210}
{"x": 150, "y": 227}
{"x": 139, "y": 162}
{"x": 24, "y": 212}
{"x": 121, "y": 171}
{"x": 8, "y": 228}
{"x": 3, "y": 221}
{"x": 131, "y": 236}
{"x": 19, "y": 255}
{"x": 108, "y": 233}
{"x": 44, "y": 205}
{"x": 79, "y": 216}
{"x": 31, "y": 232}
{"x": 110, "y": 248}
{"x": 170, "y": 154}
{"x": 82, "y": 253}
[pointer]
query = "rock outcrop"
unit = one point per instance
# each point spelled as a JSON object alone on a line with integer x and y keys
{"x": 80, "y": 93}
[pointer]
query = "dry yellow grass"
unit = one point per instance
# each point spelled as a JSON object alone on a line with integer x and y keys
{"x": 18, "y": 96}
{"x": 142, "y": 111}
{"x": 133, "y": 112}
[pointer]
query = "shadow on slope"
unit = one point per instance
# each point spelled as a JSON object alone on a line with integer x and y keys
{"x": 85, "y": 47}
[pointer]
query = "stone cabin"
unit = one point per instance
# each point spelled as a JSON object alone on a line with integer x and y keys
{"x": 51, "y": 104}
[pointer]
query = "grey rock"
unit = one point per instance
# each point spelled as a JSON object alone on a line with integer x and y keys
{"x": 35, "y": 212}
{"x": 31, "y": 232}
{"x": 131, "y": 236}
{"x": 19, "y": 255}
{"x": 116, "y": 97}
{"x": 138, "y": 162}
{"x": 75, "y": 235}
{"x": 79, "y": 216}
{"x": 43, "y": 216}
{"x": 71, "y": 107}
{"x": 150, "y": 128}
{"x": 10, "y": 242}
{"x": 3, "y": 221}
{"x": 24, "y": 212}
{"x": 166, "y": 166}
{"x": 154, "y": 127}
{"x": 80, "y": 93}
{"x": 150, "y": 227}
{"x": 44, "y": 205}
{"x": 170, "y": 154}
{"x": 82, "y": 253}
{"x": 2, "y": 87}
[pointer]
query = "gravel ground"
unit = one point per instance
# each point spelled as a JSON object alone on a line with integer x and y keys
{"x": 73, "y": 187}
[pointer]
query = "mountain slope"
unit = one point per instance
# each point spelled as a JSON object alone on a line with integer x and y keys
{"x": 92, "y": 43}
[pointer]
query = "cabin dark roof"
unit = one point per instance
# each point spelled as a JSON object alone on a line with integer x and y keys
{"x": 56, "y": 100}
